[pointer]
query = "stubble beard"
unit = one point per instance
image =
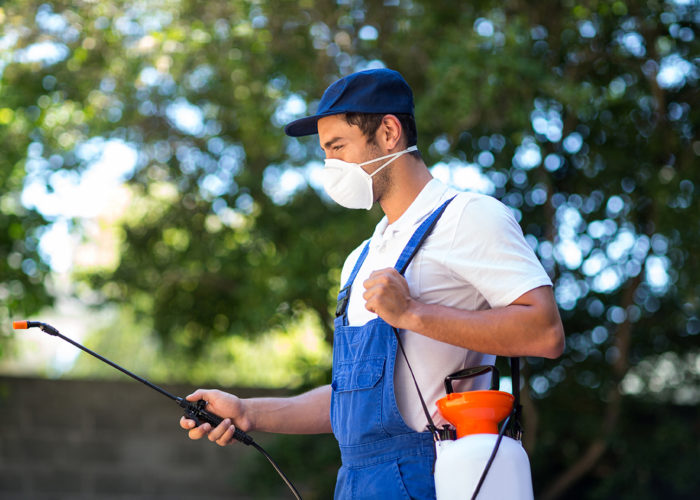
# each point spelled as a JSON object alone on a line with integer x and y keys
{"x": 382, "y": 183}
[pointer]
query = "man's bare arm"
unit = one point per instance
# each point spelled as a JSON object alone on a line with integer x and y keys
{"x": 307, "y": 413}
{"x": 529, "y": 326}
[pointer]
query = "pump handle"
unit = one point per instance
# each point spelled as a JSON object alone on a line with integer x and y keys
{"x": 474, "y": 371}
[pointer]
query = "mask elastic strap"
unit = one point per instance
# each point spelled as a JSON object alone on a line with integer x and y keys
{"x": 395, "y": 156}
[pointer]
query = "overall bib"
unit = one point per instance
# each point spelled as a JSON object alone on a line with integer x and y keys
{"x": 382, "y": 458}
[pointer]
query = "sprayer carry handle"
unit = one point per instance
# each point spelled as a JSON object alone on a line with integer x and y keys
{"x": 474, "y": 371}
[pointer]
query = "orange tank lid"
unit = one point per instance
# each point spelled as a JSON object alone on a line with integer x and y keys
{"x": 476, "y": 412}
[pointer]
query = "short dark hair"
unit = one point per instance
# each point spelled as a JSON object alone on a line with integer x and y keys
{"x": 369, "y": 123}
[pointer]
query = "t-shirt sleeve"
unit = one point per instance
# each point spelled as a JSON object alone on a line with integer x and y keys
{"x": 489, "y": 251}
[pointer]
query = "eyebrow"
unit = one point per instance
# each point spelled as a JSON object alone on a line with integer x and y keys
{"x": 328, "y": 144}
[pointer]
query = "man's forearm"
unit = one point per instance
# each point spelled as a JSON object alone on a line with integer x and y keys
{"x": 530, "y": 326}
{"x": 307, "y": 413}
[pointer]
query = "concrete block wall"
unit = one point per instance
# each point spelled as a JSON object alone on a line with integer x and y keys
{"x": 68, "y": 439}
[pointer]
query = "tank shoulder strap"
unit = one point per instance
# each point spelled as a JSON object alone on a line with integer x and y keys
{"x": 405, "y": 259}
{"x": 515, "y": 429}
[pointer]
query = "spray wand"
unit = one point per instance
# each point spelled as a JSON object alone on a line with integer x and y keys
{"x": 193, "y": 410}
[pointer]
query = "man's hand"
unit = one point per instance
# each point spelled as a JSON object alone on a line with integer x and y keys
{"x": 224, "y": 405}
{"x": 307, "y": 413}
{"x": 387, "y": 295}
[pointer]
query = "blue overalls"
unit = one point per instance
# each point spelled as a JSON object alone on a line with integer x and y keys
{"x": 382, "y": 458}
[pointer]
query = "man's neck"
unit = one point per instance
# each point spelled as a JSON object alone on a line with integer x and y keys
{"x": 408, "y": 180}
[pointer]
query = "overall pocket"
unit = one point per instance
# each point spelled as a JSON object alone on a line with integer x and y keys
{"x": 356, "y": 401}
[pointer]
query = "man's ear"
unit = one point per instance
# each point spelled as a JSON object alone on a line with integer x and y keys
{"x": 389, "y": 133}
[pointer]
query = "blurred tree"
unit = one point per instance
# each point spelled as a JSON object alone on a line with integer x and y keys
{"x": 584, "y": 115}
{"x": 581, "y": 116}
{"x": 24, "y": 274}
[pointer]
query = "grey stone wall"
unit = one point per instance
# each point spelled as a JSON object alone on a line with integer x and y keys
{"x": 68, "y": 439}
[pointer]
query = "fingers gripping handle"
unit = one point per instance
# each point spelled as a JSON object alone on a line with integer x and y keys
{"x": 196, "y": 412}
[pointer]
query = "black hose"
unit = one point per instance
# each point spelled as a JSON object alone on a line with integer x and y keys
{"x": 491, "y": 458}
{"x": 276, "y": 467}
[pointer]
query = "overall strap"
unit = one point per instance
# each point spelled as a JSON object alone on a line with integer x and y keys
{"x": 419, "y": 237}
{"x": 344, "y": 294}
{"x": 405, "y": 258}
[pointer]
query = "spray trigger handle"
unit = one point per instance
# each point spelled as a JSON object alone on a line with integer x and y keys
{"x": 195, "y": 411}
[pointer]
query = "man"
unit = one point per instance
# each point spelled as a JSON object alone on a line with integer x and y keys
{"x": 473, "y": 290}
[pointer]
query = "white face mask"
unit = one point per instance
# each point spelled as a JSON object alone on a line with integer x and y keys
{"x": 350, "y": 186}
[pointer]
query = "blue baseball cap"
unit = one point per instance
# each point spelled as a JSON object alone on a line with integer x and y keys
{"x": 371, "y": 91}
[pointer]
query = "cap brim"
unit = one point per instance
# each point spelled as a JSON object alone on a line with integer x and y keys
{"x": 308, "y": 125}
{"x": 302, "y": 126}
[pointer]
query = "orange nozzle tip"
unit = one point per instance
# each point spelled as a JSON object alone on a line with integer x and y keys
{"x": 19, "y": 325}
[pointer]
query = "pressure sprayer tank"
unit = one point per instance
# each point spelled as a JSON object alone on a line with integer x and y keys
{"x": 460, "y": 463}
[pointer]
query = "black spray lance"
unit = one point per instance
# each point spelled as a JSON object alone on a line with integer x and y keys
{"x": 193, "y": 410}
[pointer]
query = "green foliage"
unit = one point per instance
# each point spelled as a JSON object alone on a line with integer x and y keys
{"x": 23, "y": 272}
{"x": 294, "y": 357}
{"x": 582, "y": 116}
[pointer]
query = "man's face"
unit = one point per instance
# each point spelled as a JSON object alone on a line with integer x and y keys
{"x": 346, "y": 142}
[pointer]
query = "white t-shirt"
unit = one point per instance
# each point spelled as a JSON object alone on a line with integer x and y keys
{"x": 476, "y": 258}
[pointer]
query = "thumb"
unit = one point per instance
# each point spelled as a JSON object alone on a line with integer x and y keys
{"x": 197, "y": 395}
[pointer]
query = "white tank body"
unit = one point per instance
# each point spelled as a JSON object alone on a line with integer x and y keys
{"x": 460, "y": 463}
